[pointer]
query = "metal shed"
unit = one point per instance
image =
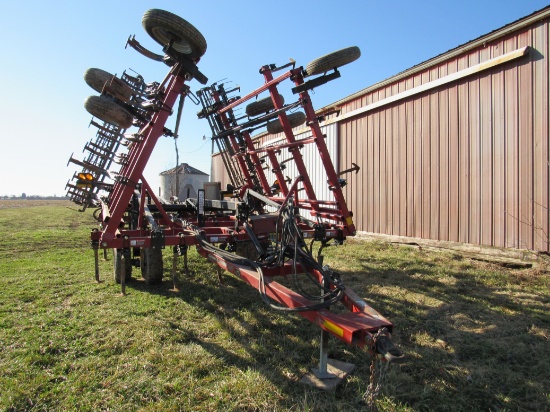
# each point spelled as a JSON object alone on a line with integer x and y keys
{"x": 455, "y": 148}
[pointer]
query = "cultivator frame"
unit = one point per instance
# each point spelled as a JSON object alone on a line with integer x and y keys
{"x": 261, "y": 222}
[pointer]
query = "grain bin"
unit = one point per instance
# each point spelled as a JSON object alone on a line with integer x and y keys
{"x": 189, "y": 181}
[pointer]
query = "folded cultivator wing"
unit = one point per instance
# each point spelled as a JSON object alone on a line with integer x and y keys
{"x": 257, "y": 230}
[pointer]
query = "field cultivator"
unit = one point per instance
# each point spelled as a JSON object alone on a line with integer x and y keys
{"x": 255, "y": 229}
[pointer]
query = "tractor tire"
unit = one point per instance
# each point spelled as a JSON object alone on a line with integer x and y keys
{"x": 164, "y": 26}
{"x": 117, "y": 269}
{"x": 332, "y": 60}
{"x": 261, "y": 106}
{"x": 295, "y": 119}
{"x": 107, "y": 110}
{"x": 152, "y": 265}
{"x": 97, "y": 78}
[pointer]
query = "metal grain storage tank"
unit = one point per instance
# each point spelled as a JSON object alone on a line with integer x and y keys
{"x": 189, "y": 181}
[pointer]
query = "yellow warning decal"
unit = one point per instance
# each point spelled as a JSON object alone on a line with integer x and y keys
{"x": 337, "y": 330}
{"x": 349, "y": 220}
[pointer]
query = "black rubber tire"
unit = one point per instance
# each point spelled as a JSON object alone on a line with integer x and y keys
{"x": 332, "y": 60}
{"x": 261, "y": 106}
{"x": 117, "y": 266}
{"x": 152, "y": 265}
{"x": 107, "y": 110}
{"x": 164, "y": 26}
{"x": 96, "y": 79}
{"x": 295, "y": 119}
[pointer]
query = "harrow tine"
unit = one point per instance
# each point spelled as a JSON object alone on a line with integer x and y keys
{"x": 87, "y": 165}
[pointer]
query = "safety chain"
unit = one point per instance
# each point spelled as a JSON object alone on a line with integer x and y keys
{"x": 375, "y": 384}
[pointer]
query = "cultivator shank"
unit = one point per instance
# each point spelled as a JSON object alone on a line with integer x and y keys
{"x": 259, "y": 231}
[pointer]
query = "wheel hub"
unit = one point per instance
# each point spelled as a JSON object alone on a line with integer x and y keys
{"x": 178, "y": 44}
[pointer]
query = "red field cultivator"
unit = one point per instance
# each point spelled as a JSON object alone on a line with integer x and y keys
{"x": 257, "y": 233}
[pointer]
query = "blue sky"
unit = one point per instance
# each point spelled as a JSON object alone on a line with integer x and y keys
{"x": 48, "y": 45}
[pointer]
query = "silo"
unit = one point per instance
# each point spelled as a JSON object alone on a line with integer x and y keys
{"x": 189, "y": 181}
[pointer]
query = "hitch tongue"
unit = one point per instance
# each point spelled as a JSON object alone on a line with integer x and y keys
{"x": 384, "y": 346}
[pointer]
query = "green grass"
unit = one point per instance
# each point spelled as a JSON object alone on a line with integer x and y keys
{"x": 476, "y": 335}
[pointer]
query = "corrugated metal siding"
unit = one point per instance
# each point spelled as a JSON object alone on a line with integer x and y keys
{"x": 467, "y": 161}
{"x": 311, "y": 157}
{"x": 314, "y": 164}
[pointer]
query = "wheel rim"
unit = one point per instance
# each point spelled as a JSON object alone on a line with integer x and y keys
{"x": 180, "y": 45}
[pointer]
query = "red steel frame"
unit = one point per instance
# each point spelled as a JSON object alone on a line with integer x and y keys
{"x": 355, "y": 327}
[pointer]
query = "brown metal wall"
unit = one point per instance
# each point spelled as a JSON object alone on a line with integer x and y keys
{"x": 309, "y": 153}
{"x": 465, "y": 162}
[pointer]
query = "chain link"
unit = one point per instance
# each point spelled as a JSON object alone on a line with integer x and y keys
{"x": 375, "y": 382}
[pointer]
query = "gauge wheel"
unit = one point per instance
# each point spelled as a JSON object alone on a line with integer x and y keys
{"x": 117, "y": 259}
{"x": 107, "y": 110}
{"x": 164, "y": 27}
{"x": 97, "y": 78}
{"x": 261, "y": 106}
{"x": 295, "y": 119}
{"x": 333, "y": 60}
{"x": 151, "y": 265}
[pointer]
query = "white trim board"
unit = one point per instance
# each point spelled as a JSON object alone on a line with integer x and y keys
{"x": 496, "y": 61}
{"x": 516, "y": 54}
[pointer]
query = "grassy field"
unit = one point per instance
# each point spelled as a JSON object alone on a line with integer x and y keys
{"x": 476, "y": 335}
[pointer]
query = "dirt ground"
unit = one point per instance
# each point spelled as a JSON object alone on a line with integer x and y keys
{"x": 7, "y": 204}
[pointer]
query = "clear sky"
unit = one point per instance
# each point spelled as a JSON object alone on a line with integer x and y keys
{"x": 46, "y": 47}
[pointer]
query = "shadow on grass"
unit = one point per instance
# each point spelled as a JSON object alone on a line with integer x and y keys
{"x": 475, "y": 335}
{"x": 281, "y": 347}
{"x": 475, "y": 339}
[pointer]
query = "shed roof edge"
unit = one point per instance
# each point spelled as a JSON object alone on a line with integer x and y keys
{"x": 473, "y": 44}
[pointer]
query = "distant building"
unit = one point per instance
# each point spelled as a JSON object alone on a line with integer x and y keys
{"x": 189, "y": 181}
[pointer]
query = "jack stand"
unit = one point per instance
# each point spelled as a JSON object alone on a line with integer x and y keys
{"x": 220, "y": 271}
{"x": 322, "y": 371}
{"x": 330, "y": 372}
